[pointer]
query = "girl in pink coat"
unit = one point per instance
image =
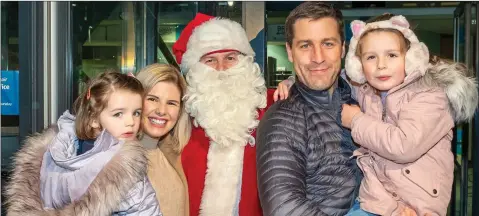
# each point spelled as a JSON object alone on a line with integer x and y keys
{"x": 409, "y": 105}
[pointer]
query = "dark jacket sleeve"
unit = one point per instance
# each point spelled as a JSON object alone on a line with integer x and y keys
{"x": 281, "y": 165}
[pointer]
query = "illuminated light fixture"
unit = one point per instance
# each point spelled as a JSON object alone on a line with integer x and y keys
{"x": 230, "y": 3}
{"x": 410, "y": 5}
{"x": 449, "y": 3}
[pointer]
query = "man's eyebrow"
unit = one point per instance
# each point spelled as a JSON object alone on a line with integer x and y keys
{"x": 304, "y": 41}
{"x": 331, "y": 39}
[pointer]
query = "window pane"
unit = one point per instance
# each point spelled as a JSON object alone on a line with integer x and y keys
{"x": 9, "y": 66}
{"x": 10, "y": 87}
{"x": 279, "y": 67}
{"x": 103, "y": 38}
{"x": 174, "y": 16}
{"x": 172, "y": 19}
{"x": 228, "y": 9}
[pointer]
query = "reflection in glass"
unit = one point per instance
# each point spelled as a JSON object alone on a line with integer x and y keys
{"x": 103, "y": 37}
{"x": 172, "y": 19}
{"x": 9, "y": 62}
{"x": 174, "y": 16}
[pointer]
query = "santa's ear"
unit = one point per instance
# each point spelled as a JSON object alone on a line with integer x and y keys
{"x": 356, "y": 27}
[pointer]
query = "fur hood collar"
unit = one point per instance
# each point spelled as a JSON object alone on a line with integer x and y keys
{"x": 118, "y": 176}
{"x": 460, "y": 87}
{"x": 454, "y": 79}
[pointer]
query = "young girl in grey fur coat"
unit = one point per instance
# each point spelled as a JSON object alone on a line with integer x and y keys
{"x": 90, "y": 163}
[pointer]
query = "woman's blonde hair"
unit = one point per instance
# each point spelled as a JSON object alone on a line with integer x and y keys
{"x": 94, "y": 99}
{"x": 156, "y": 73}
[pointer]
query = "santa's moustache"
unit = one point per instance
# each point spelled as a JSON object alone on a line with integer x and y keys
{"x": 225, "y": 103}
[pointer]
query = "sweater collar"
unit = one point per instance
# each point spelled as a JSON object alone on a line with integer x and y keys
{"x": 322, "y": 98}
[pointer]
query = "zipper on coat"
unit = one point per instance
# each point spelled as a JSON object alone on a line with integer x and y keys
{"x": 384, "y": 112}
{"x": 384, "y": 105}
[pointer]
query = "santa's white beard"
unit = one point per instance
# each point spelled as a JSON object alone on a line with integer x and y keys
{"x": 225, "y": 103}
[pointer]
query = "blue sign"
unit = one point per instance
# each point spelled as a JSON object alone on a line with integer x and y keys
{"x": 10, "y": 92}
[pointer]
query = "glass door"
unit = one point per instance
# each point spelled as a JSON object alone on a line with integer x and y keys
{"x": 465, "y": 193}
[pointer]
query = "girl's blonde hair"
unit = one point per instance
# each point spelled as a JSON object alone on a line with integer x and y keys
{"x": 156, "y": 73}
{"x": 94, "y": 99}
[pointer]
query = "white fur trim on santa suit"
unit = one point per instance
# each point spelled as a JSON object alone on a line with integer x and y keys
{"x": 222, "y": 188}
{"x": 215, "y": 34}
{"x": 417, "y": 57}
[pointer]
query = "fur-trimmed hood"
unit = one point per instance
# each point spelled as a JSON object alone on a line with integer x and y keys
{"x": 118, "y": 177}
{"x": 460, "y": 87}
{"x": 455, "y": 79}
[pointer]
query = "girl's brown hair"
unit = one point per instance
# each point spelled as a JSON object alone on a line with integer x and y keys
{"x": 93, "y": 101}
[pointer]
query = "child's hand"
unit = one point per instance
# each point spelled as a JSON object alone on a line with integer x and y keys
{"x": 408, "y": 212}
{"x": 282, "y": 91}
{"x": 348, "y": 113}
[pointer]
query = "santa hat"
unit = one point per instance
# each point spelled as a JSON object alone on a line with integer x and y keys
{"x": 206, "y": 35}
{"x": 417, "y": 57}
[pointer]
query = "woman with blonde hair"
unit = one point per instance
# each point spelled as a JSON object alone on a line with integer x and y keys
{"x": 166, "y": 130}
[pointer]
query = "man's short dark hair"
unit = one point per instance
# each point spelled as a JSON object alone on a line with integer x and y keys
{"x": 313, "y": 10}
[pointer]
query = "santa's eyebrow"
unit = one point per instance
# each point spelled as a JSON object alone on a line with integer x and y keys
{"x": 236, "y": 53}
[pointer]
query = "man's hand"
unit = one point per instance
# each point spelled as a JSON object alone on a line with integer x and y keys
{"x": 283, "y": 89}
{"x": 348, "y": 113}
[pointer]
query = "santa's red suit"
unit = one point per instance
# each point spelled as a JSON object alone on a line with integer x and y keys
{"x": 194, "y": 159}
{"x": 221, "y": 180}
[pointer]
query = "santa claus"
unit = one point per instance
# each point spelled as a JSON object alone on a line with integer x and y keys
{"x": 226, "y": 98}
